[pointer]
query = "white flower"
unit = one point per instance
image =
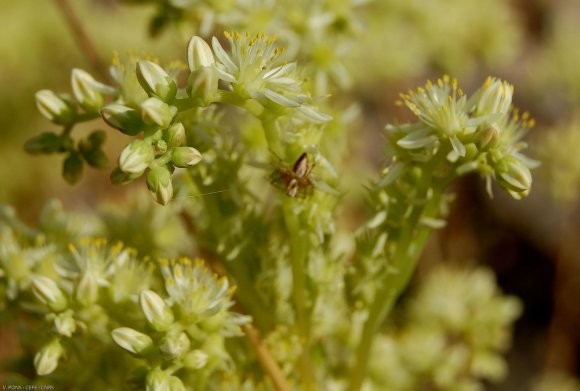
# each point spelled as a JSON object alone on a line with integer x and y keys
{"x": 195, "y": 289}
{"x": 256, "y": 69}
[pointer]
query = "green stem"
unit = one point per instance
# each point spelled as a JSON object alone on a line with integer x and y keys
{"x": 298, "y": 261}
{"x": 409, "y": 245}
{"x": 298, "y": 254}
{"x": 299, "y": 249}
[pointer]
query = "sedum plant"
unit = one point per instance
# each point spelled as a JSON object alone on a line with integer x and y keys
{"x": 240, "y": 146}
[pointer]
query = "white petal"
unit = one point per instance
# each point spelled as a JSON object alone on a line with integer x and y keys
{"x": 280, "y": 99}
{"x": 280, "y": 71}
{"x": 394, "y": 172}
{"x": 222, "y": 55}
{"x": 286, "y": 81}
{"x": 313, "y": 115}
{"x": 433, "y": 223}
{"x": 458, "y": 146}
{"x": 418, "y": 139}
{"x": 224, "y": 75}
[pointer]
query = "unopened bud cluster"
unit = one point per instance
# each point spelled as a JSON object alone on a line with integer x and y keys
{"x": 62, "y": 109}
{"x": 147, "y": 104}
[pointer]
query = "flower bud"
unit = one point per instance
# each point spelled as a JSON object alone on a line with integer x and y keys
{"x": 175, "y": 135}
{"x": 64, "y": 324}
{"x": 155, "y": 81}
{"x": 157, "y": 380}
{"x": 156, "y": 112}
{"x": 487, "y": 136}
{"x": 85, "y": 90}
{"x": 156, "y": 311}
{"x": 495, "y": 98}
{"x": 46, "y": 360}
{"x": 514, "y": 176}
{"x": 87, "y": 290}
{"x": 175, "y": 384}
{"x": 195, "y": 359}
{"x": 54, "y": 108}
{"x": 132, "y": 340}
{"x": 123, "y": 118}
{"x": 199, "y": 54}
{"x": 159, "y": 183}
{"x": 160, "y": 146}
{"x": 135, "y": 157}
{"x": 202, "y": 84}
{"x": 175, "y": 345}
{"x": 47, "y": 292}
{"x": 185, "y": 156}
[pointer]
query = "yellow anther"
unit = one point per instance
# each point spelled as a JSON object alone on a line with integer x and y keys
{"x": 487, "y": 82}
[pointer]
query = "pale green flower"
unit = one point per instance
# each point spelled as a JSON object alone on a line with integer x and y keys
{"x": 46, "y": 360}
{"x": 559, "y": 150}
{"x": 158, "y": 313}
{"x": 48, "y": 292}
{"x": 90, "y": 256}
{"x": 136, "y": 157}
{"x": 198, "y": 295}
{"x": 132, "y": 340}
{"x": 255, "y": 66}
{"x": 257, "y": 69}
{"x": 155, "y": 80}
{"x": 194, "y": 289}
{"x": 54, "y": 107}
{"x": 17, "y": 262}
{"x": 175, "y": 344}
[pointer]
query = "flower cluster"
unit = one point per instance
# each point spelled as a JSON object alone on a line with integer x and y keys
{"x": 448, "y": 35}
{"x": 257, "y": 70}
{"x": 561, "y": 170}
{"x": 454, "y": 330}
{"x": 96, "y": 293}
{"x": 190, "y": 326}
{"x": 236, "y": 105}
{"x": 319, "y": 33}
{"x": 481, "y": 134}
{"x": 147, "y": 103}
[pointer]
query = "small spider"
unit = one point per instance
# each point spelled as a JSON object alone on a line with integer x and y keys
{"x": 296, "y": 181}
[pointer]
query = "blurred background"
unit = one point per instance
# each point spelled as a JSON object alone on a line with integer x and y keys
{"x": 533, "y": 245}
